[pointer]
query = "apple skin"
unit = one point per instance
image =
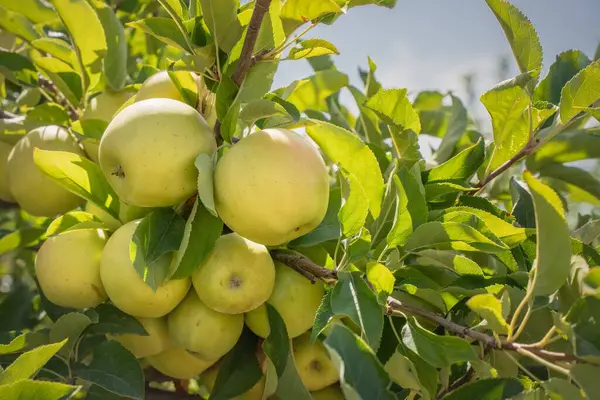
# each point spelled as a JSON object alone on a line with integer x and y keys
{"x": 125, "y": 287}
{"x": 178, "y": 363}
{"x": 271, "y": 187}
{"x": 208, "y": 333}
{"x": 158, "y": 86}
{"x": 295, "y": 299}
{"x": 35, "y": 192}
{"x": 238, "y": 275}
{"x": 5, "y": 195}
{"x": 209, "y": 378}
{"x": 142, "y": 346}
{"x": 67, "y": 267}
{"x": 333, "y": 392}
{"x": 105, "y": 105}
{"x": 313, "y": 363}
{"x": 148, "y": 150}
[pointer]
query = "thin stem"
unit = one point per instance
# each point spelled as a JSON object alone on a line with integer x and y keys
{"x": 522, "y": 367}
{"x": 181, "y": 28}
{"x": 547, "y": 338}
{"x": 524, "y": 302}
{"x": 284, "y": 46}
{"x": 524, "y": 321}
{"x": 394, "y": 329}
{"x": 546, "y": 363}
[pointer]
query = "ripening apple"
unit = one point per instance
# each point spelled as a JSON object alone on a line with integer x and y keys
{"x": 67, "y": 267}
{"x": 5, "y": 149}
{"x": 158, "y": 86}
{"x": 206, "y": 332}
{"x": 178, "y": 363}
{"x": 296, "y": 300}
{"x": 313, "y": 363}
{"x": 333, "y": 392}
{"x": 237, "y": 277}
{"x": 148, "y": 150}
{"x": 142, "y": 346}
{"x": 209, "y": 378}
{"x": 105, "y": 105}
{"x": 272, "y": 187}
{"x": 35, "y": 192}
{"x": 125, "y": 287}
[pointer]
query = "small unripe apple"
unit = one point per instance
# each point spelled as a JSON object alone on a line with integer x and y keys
{"x": 158, "y": 86}
{"x": 271, "y": 187}
{"x": 237, "y": 277}
{"x": 313, "y": 363}
{"x": 5, "y": 149}
{"x": 67, "y": 267}
{"x": 208, "y": 333}
{"x": 178, "y": 363}
{"x": 296, "y": 300}
{"x": 142, "y": 346}
{"x": 148, "y": 150}
{"x": 35, "y": 192}
{"x": 125, "y": 287}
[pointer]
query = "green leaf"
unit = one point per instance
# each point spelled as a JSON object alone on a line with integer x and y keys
{"x": 113, "y": 321}
{"x": 229, "y": 123}
{"x": 73, "y": 220}
{"x": 439, "y": 191}
{"x": 521, "y": 35}
{"x": 459, "y": 168}
{"x": 115, "y": 369}
{"x": 38, "y": 390}
{"x": 352, "y": 297}
{"x": 568, "y": 146}
{"x": 80, "y": 176}
{"x": 381, "y": 278}
{"x": 262, "y": 108}
{"x": 580, "y": 92}
{"x": 562, "y": 388}
{"x": 25, "y": 237}
{"x": 566, "y": 65}
{"x": 55, "y": 47}
{"x": 18, "y": 69}
{"x": 311, "y": 48}
{"x": 271, "y": 34}
{"x": 553, "y": 250}
{"x": 594, "y": 112}
{"x": 66, "y": 79}
{"x": 164, "y": 29}
{"x": 394, "y": 108}
{"x": 258, "y": 81}
{"x": 277, "y": 344}
{"x": 115, "y": 61}
{"x": 174, "y": 8}
{"x": 487, "y": 389}
{"x": 584, "y": 318}
{"x": 586, "y": 376}
{"x": 450, "y": 260}
{"x": 69, "y": 327}
{"x": 588, "y": 232}
{"x": 17, "y": 24}
{"x": 84, "y": 27}
{"x": 156, "y": 237}
{"x": 580, "y": 184}
{"x": 15, "y": 345}
{"x": 311, "y": 92}
{"x": 202, "y": 230}
{"x": 455, "y": 235}
{"x": 354, "y": 212}
{"x": 523, "y": 209}
{"x": 48, "y": 113}
{"x": 33, "y": 10}
{"x": 439, "y": 351}
{"x": 205, "y": 165}
{"x": 363, "y": 377}
{"x": 221, "y": 19}
{"x": 353, "y": 156}
{"x": 323, "y": 316}
{"x": 406, "y": 146}
{"x": 29, "y": 363}
{"x": 488, "y": 307}
{"x": 457, "y": 125}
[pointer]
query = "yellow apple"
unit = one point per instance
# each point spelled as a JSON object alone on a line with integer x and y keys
{"x": 158, "y": 86}
{"x": 67, "y": 267}
{"x": 294, "y": 298}
{"x": 272, "y": 187}
{"x": 125, "y": 287}
{"x": 5, "y": 149}
{"x": 210, "y": 334}
{"x": 178, "y": 363}
{"x": 105, "y": 105}
{"x": 209, "y": 378}
{"x": 313, "y": 363}
{"x": 142, "y": 346}
{"x": 148, "y": 150}
{"x": 35, "y": 192}
{"x": 332, "y": 392}
{"x": 237, "y": 277}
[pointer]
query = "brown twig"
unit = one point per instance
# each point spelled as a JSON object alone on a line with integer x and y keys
{"x": 60, "y": 98}
{"x": 299, "y": 262}
{"x": 525, "y": 151}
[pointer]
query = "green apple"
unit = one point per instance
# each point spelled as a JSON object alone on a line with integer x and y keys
{"x": 142, "y": 346}
{"x": 272, "y": 187}
{"x": 148, "y": 150}
{"x": 313, "y": 363}
{"x": 294, "y": 297}
{"x": 158, "y": 86}
{"x": 237, "y": 277}
{"x": 209, "y": 378}
{"x": 125, "y": 287}
{"x": 332, "y": 392}
{"x": 67, "y": 267}
{"x": 35, "y": 192}
{"x": 127, "y": 213}
{"x": 105, "y": 105}
{"x": 208, "y": 333}
{"x": 178, "y": 363}
{"x": 5, "y": 149}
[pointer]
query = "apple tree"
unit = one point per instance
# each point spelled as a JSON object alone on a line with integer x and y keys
{"x": 173, "y": 227}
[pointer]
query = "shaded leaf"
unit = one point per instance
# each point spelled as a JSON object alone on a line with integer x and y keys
{"x": 457, "y": 125}
{"x": 566, "y": 65}
{"x": 581, "y": 91}
{"x": 115, "y": 61}
{"x": 113, "y": 321}
{"x": 69, "y": 327}
{"x": 587, "y": 377}
{"x": 487, "y": 389}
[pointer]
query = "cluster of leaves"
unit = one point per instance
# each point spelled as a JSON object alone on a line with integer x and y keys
{"x": 452, "y": 279}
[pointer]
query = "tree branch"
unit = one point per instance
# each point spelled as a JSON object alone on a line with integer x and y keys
{"x": 60, "y": 98}
{"x": 300, "y": 263}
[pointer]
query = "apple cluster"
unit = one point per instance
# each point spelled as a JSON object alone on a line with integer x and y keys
{"x": 269, "y": 188}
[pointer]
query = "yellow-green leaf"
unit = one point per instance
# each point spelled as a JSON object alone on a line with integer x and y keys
{"x": 394, "y": 108}
{"x": 34, "y": 10}
{"x": 580, "y": 92}
{"x": 302, "y": 10}
{"x": 55, "y": 47}
{"x": 380, "y": 277}
{"x": 312, "y": 48}
{"x": 27, "y": 364}
{"x": 17, "y": 24}
{"x": 487, "y": 306}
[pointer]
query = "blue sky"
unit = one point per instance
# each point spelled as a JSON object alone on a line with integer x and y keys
{"x": 432, "y": 44}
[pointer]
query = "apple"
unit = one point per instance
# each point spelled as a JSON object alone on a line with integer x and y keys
{"x": 333, "y": 392}
{"x": 35, "y": 192}
{"x": 125, "y": 287}
{"x": 127, "y": 213}
{"x": 109, "y": 221}
{"x": 296, "y": 300}
{"x": 209, "y": 378}
{"x": 178, "y": 363}
{"x": 142, "y": 346}
{"x": 198, "y": 328}
{"x": 157, "y": 86}
{"x": 67, "y": 267}
{"x": 148, "y": 150}
{"x": 5, "y": 195}
{"x": 313, "y": 363}
{"x": 105, "y": 105}
{"x": 271, "y": 187}
{"x": 237, "y": 277}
